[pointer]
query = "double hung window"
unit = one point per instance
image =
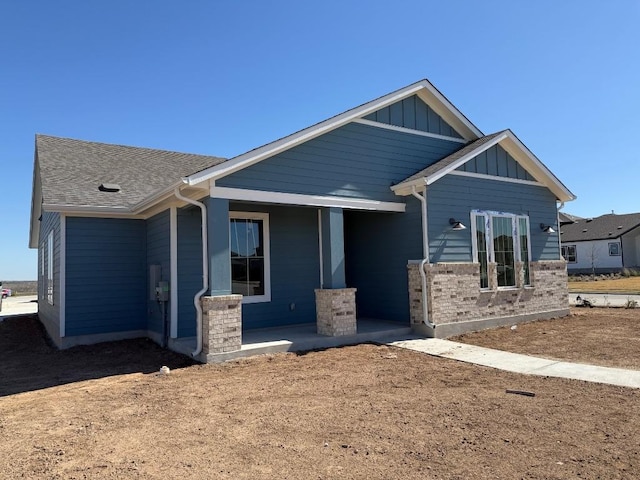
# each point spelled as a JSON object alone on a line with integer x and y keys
{"x": 569, "y": 253}
{"x": 250, "y": 269}
{"x": 503, "y": 239}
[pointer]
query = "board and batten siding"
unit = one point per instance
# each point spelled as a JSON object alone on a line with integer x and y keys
{"x": 413, "y": 113}
{"x": 455, "y": 197}
{"x": 496, "y": 161}
{"x": 378, "y": 247}
{"x": 189, "y": 222}
{"x": 158, "y": 253}
{"x": 49, "y": 314}
{"x": 355, "y": 161}
{"x": 106, "y": 278}
{"x": 295, "y": 267}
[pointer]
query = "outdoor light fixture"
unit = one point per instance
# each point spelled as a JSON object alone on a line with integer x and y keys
{"x": 456, "y": 224}
{"x": 547, "y": 228}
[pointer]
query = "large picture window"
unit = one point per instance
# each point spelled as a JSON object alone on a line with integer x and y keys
{"x": 250, "y": 269}
{"x": 504, "y": 239}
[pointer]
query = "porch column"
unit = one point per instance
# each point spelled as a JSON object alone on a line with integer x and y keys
{"x": 221, "y": 310}
{"x": 335, "y": 304}
{"x": 333, "y": 248}
{"x": 218, "y": 245}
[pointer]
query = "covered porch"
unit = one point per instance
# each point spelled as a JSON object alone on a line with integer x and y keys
{"x": 298, "y": 338}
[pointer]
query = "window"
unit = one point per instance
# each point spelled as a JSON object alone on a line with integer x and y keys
{"x": 614, "y": 249}
{"x": 50, "y": 268}
{"x": 250, "y": 268}
{"x": 569, "y": 253}
{"x": 41, "y": 283}
{"x": 502, "y": 238}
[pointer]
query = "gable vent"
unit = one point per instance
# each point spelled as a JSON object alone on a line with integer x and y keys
{"x": 109, "y": 187}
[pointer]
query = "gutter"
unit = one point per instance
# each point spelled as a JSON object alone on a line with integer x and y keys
{"x": 425, "y": 252}
{"x": 205, "y": 269}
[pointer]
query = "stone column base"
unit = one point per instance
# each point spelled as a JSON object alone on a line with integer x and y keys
{"x": 221, "y": 324}
{"x": 336, "y": 311}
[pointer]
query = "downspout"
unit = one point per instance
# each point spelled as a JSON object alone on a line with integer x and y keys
{"x": 559, "y": 229}
{"x": 205, "y": 270}
{"x": 425, "y": 252}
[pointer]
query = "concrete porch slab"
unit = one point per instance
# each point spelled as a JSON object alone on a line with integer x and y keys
{"x": 296, "y": 338}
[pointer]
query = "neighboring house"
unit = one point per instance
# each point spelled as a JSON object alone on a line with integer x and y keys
{"x": 603, "y": 244}
{"x": 325, "y": 225}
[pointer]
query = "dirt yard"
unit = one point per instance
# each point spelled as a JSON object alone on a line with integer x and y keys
{"x": 355, "y": 412}
{"x": 600, "y": 336}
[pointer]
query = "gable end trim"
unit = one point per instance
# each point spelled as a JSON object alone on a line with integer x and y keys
{"x": 410, "y": 131}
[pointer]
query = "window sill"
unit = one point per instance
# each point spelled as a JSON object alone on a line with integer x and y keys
{"x": 256, "y": 299}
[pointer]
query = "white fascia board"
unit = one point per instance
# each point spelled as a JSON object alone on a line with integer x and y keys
{"x": 36, "y": 207}
{"x": 54, "y": 207}
{"x": 536, "y": 168}
{"x": 156, "y": 198}
{"x": 305, "y": 200}
{"x": 273, "y": 148}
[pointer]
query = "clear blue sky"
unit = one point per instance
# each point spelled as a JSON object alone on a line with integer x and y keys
{"x": 220, "y": 78}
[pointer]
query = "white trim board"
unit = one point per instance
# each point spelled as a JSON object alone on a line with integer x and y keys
{"x": 63, "y": 274}
{"x": 305, "y": 200}
{"x": 411, "y": 131}
{"x": 173, "y": 262}
{"x": 484, "y": 176}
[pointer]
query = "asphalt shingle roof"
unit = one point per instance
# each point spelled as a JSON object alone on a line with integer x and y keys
{"x": 72, "y": 170}
{"x": 455, "y": 156}
{"x": 599, "y": 228}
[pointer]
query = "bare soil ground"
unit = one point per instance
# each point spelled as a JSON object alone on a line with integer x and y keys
{"x": 600, "y": 336}
{"x": 355, "y": 412}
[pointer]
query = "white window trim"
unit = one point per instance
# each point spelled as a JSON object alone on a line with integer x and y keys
{"x": 50, "y": 284}
{"x": 488, "y": 215}
{"x": 267, "y": 254}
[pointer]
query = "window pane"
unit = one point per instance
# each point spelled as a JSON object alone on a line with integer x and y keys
{"x": 504, "y": 251}
{"x": 256, "y": 276}
{"x": 482, "y": 251}
{"x": 247, "y": 256}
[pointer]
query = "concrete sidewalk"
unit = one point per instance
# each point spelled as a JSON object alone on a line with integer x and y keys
{"x": 604, "y": 299}
{"x": 518, "y": 363}
{"x": 13, "y": 306}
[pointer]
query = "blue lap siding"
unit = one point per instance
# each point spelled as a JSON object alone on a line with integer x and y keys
{"x": 377, "y": 249}
{"x": 189, "y": 268}
{"x": 355, "y": 161}
{"x": 49, "y": 314}
{"x": 456, "y": 196}
{"x": 158, "y": 253}
{"x": 105, "y": 275}
{"x": 295, "y": 267}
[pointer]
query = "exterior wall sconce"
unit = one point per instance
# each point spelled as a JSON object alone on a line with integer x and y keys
{"x": 547, "y": 228}
{"x": 456, "y": 225}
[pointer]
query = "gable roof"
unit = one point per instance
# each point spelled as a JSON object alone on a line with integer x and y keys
{"x": 567, "y": 218}
{"x": 512, "y": 144}
{"x": 607, "y": 226}
{"x": 423, "y": 89}
{"x": 68, "y": 174}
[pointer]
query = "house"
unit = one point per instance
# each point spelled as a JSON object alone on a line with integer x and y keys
{"x": 604, "y": 244}
{"x": 399, "y": 210}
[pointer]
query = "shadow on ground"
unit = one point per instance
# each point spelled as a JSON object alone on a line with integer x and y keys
{"x": 28, "y": 361}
